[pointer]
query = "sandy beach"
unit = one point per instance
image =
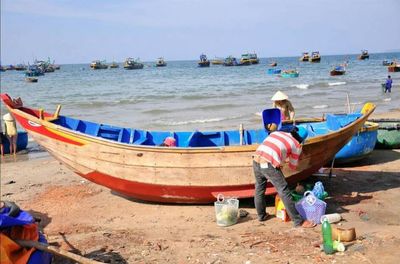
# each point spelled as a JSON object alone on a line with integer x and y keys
{"x": 89, "y": 219}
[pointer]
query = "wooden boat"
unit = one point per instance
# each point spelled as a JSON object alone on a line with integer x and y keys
{"x": 315, "y": 57}
{"x": 338, "y": 70}
{"x": 304, "y": 57}
{"x": 273, "y": 64}
{"x": 20, "y": 67}
{"x": 364, "y": 55}
{"x": 22, "y": 142}
{"x": 249, "y": 58}
{"x": 132, "y": 64}
{"x": 290, "y": 74}
{"x": 217, "y": 61}
{"x": 274, "y": 71}
{"x": 98, "y": 65}
{"x": 31, "y": 79}
{"x": 394, "y": 68}
{"x": 230, "y": 61}
{"x": 114, "y": 65}
{"x": 161, "y": 62}
{"x": 388, "y": 133}
{"x": 203, "y": 62}
{"x": 204, "y": 163}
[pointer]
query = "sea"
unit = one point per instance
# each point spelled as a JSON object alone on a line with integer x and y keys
{"x": 183, "y": 96}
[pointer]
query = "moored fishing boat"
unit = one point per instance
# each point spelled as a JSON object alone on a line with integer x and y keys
{"x": 274, "y": 71}
{"x": 114, "y": 65}
{"x": 273, "y": 64}
{"x": 304, "y": 57}
{"x": 22, "y": 142}
{"x": 132, "y": 64}
{"x": 161, "y": 62}
{"x": 204, "y": 163}
{"x": 230, "y": 61}
{"x": 203, "y": 62}
{"x": 394, "y": 67}
{"x": 31, "y": 79}
{"x": 98, "y": 65}
{"x": 388, "y": 133}
{"x": 338, "y": 70}
{"x": 315, "y": 57}
{"x": 290, "y": 74}
{"x": 21, "y": 67}
{"x": 364, "y": 55}
{"x": 217, "y": 61}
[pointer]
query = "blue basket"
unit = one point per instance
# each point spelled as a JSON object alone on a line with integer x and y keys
{"x": 311, "y": 208}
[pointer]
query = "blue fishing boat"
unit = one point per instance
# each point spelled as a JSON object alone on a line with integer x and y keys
{"x": 274, "y": 71}
{"x": 290, "y": 74}
{"x": 22, "y": 142}
{"x": 230, "y": 61}
{"x": 34, "y": 71}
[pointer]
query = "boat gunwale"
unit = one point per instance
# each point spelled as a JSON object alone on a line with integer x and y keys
{"x": 237, "y": 148}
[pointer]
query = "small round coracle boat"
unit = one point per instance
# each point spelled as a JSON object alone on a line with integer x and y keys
{"x": 31, "y": 79}
{"x": 388, "y": 133}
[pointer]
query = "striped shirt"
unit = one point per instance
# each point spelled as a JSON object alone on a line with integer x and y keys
{"x": 277, "y": 147}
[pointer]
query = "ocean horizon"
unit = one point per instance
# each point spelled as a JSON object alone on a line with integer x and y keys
{"x": 183, "y": 96}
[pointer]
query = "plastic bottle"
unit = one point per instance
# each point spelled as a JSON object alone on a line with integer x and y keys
{"x": 318, "y": 190}
{"x": 327, "y": 237}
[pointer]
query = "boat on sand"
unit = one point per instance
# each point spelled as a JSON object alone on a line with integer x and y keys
{"x": 202, "y": 165}
{"x": 388, "y": 133}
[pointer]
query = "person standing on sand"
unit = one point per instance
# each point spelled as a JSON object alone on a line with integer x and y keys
{"x": 281, "y": 101}
{"x": 388, "y": 84}
{"x": 267, "y": 163}
{"x": 11, "y": 132}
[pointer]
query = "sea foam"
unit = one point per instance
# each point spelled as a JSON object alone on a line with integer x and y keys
{"x": 301, "y": 86}
{"x": 336, "y": 83}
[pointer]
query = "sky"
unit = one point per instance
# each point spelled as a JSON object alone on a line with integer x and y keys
{"x": 82, "y": 31}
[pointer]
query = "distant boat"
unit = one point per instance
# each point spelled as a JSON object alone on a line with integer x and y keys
{"x": 20, "y": 67}
{"x": 386, "y": 63}
{"x": 98, "y": 65}
{"x": 273, "y": 64}
{"x": 274, "y": 71}
{"x": 315, "y": 57}
{"x": 161, "y": 62}
{"x": 230, "y": 61}
{"x": 217, "y": 61}
{"x": 10, "y": 67}
{"x": 364, "y": 55}
{"x": 34, "y": 70}
{"x": 338, "y": 70}
{"x": 305, "y": 57}
{"x": 132, "y": 64}
{"x": 290, "y": 74}
{"x": 2, "y": 69}
{"x": 203, "y": 62}
{"x": 249, "y": 58}
{"x": 394, "y": 67}
{"x": 31, "y": 79}
{"x": 114, "y": 65}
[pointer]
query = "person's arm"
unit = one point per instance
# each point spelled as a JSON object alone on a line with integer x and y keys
{"x": 291, "y": 110}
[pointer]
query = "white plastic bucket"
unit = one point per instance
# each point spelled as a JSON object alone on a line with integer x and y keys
{"x": 226, "y": 210}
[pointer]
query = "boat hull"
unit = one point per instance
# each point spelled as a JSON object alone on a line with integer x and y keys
{"x": 360, "y": 146}
{"x": 171, "y": 175}
{"x": 289, "y": 75}
{"x": 204, "y": 64}
{"x": 335, "y": 73}
{"x": 274, "y": 71}
{"x": 394, "y": 69}
{"x": 388, "y": 133}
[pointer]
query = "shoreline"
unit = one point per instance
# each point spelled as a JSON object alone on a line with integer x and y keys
{"x": 79, "y": 215}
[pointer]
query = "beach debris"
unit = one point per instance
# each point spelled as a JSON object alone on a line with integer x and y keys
{"x": 10, "y": 182}
{"x": 345, "y": 235}
{"x": 243, "y": 213}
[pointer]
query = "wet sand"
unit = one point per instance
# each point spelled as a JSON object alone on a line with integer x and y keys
{"x": 91, "y": 220}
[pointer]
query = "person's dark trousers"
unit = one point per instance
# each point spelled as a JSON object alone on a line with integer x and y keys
{"x": 275, "y": 176}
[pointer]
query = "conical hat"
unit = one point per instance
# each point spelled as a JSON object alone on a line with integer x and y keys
{"x": 279, "y": 96}
{"x": 8, "y": 117}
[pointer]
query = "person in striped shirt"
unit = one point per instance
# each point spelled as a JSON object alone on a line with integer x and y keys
{"x": 268, "y": 160}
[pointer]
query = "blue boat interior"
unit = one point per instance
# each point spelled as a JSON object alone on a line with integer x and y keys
{"x": 198, "y": 138}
